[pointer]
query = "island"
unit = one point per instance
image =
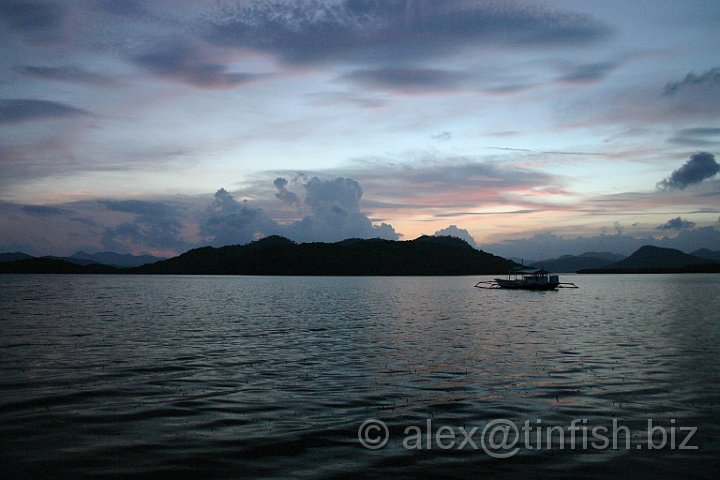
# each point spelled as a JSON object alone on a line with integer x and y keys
{"x": 275, "y": 255}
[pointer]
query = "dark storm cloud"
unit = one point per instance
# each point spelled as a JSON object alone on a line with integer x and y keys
{"x": 701, "y": 166}
{"x": 697, "y": 136}
{"x": 43, "y": 210}
{"x": 676, "y": 223}
{"x": 376, "y": 31}
{"x": 66, "y": 73}
{"x": 155, "y": 225}
{"x": 710, "y": 78}
{"x": 183, "y": 63}
{"x": 124, "y": 8}
{"x": 588, "y": 73}
{"x": 163, "y": 233}
{"x": 408, "y": 80}
{"x": 30, "y": 17}
{"x": 140, "y": 207}
{"x": 20, "y": 110}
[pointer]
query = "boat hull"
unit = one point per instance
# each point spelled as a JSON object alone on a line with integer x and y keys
{"x": 522, "y": 285}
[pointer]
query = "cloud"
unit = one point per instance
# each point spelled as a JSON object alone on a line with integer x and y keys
{"x": 38, "y": 21}
{"x": 124, "y": 8}
{"x": 407, "y": 80}
{"x": 707, "y": 136}
{"x": 21, "y": 110}
{"x": 140, "y": 207}
{"x": 588, "y": 73}
{"x": 229, "y": 222}
{"x": 701, "y": 166}
{"x": 676, "y": 223}
{"x": 156, "y": 225}
{"x": 442, "y": 137}
{"x": 336, "y": 215}
{"x": 549, "y": 245}
{"x": 452, "y": 183}
{"x": 333, "y": 99}
{"x": 183, "y": 63}
{"x": 284, "y": 194}
{"x": 43, "y": 210}
{"x": 372, "y": 31}
{"x": 454, "y": 231}
{"x": 506, "y": 212}
{"x": 710, "y": 79}
{"x": 67, "y": 73}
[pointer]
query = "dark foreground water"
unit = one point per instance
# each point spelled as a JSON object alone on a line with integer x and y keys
{"x": 243, "y": 377}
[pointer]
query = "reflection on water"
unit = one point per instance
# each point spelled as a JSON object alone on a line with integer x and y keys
{"x": 272, "y": 376}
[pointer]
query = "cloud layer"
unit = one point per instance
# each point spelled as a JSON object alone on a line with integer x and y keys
{"x": 21, "y": 110}
{"x": 388, "y": 31}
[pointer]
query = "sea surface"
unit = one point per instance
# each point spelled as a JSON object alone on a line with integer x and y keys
{"x": 272, "y": 377}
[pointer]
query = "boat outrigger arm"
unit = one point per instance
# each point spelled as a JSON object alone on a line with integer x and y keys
{"x": 527, "y": 279}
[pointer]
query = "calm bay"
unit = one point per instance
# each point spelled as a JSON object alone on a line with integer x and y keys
{"x": 272, "y": 377}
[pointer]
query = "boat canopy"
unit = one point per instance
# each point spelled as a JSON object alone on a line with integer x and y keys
{"x": 531, "y": 271}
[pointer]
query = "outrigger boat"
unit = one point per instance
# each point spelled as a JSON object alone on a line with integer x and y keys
{"x": 525, "y": 278}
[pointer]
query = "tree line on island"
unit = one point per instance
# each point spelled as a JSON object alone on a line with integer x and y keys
{"x": 426, "y": 255}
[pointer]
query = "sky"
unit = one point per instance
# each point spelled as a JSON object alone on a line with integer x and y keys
{"x": 533, "y": 129}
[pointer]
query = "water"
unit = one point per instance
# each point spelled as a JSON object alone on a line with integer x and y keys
{"x": 270, "y": 377}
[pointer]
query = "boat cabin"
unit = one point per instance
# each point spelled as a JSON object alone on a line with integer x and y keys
{"x": 533, "y": 275}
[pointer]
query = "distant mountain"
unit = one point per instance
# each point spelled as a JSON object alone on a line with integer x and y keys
{"x": 81, "y": 258}
{"x": 650, "y": 259}
{"x": 708, "y": 254}
{"x": 52, "y": 265}
{"x": 74, "y": 261}
{"x": 656, "y": 257}
{"x": 609, "y": 256}
{"x": 522, "y": 261}
{"x": 113, "y": 259}
{"x": 12, "y": 256}
{"x": 279, "y": 256}
{"x": 573, "y": 263}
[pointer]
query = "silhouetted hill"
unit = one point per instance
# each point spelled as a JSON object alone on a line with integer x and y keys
{"x": 12, "y": 256}
{"x": 280, "y": 256}
{"x": 573, "y": 263}
{"x": 52, "y": 265}
{"x": 445, "y": 240}
{"x": 112, "y": 259}
{"x": 609, "y": 256}
{"x": 74, "y": 261}
{"x": 649, "y": 259}
{"x": 707, "y": 254}
{"x": 657, "y": 257}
